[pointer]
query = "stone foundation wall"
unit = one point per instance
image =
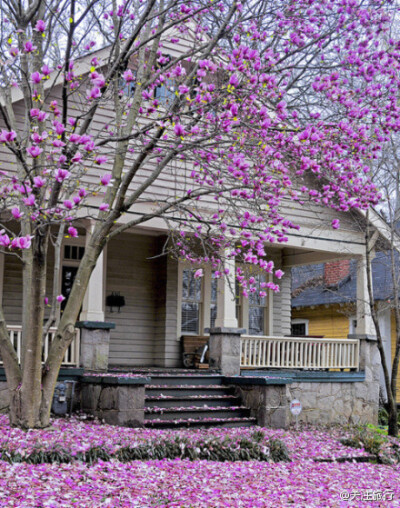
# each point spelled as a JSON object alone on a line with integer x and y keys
{"x": 4, "y": 397}
{"x": 326, "y": 403}
{"x": 113, "y": 403}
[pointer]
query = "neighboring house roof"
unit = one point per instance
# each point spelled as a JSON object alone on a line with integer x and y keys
{"x": 309, "y": 287}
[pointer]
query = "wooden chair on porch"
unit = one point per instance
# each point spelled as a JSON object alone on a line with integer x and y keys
{"x": 193, "y": 349}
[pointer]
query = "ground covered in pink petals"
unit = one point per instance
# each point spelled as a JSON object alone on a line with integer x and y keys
{"x": 76, "y": 436}
{"x": 303, "y": 482}
{"x": 197, "y": 484}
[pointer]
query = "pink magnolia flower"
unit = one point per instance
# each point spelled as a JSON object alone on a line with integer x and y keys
{"x": 279, "y": 274}
{"x": 100, "y": 159}
{"x": 105, "y": 179}
{"x": 46, "y": 70}
{"x": 61, "y": 174}
{"x": 68, "y": 204}
{"x": 16, "y": 213}
{"x": 73, "y": 232}
{"x": 104, "y": 206}
{"x": 77, "y": 157}
{"x": 29, "y": 47}
{"x": 40, "y": 26}
{"x": 128, "y": 76}
{"x": 34, "y": 151}
{"x": 4, "y": 239}
{"x": 93, "y": 93}
{"x": 7, "y": 136}
{"x": 14, "y": 51}
{"x": 39, "y": 181}
{"x": 30, "y": 200}
{"x": 179, "y": 130}
{"x": 46, "y": 300}
{"x": 198, "y": 273}
{"x": 36, "y": 77}
{"x": 336, "y": 224}
{"x": 60, "y": 298}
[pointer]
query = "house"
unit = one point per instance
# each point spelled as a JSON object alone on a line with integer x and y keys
{"x": 139, "y": 304}
{"x": 324, "y": 300}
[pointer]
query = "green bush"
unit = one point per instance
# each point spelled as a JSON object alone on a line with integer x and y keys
{"x": 362, "y": 437}
{"x": 213, "y": 449}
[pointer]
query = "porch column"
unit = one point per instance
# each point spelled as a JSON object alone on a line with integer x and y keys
{"x": 93, "y": 303}
{"x": 225, "y": 337}
{"x": 365, "y": 325}
{"x": 226, "y": 301}
{"x": 95, "y": 333}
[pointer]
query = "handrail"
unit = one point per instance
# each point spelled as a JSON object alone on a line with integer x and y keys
{"x": 71, "y": 357}
{"x": 299, "y": 353}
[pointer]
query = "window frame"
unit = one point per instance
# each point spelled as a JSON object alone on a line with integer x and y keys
{"x": 300, "y": 321}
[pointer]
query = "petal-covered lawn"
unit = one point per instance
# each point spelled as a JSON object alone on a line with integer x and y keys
{"x": 185, "y": 484}
{"x": 76, "y": 436}
{"x": 303, "y": 482}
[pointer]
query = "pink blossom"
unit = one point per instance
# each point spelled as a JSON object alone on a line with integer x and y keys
{"x": 16, "y": 213}
{"x": 104, "y": 206}
{"x": 40, "y": 26}
{"x": 39, "y": 181}
{"x": 128, "y": 76}
{"x": 179, "y": 130}
{"x": 105, "y": 179}
{"x": 100, "y": 159}
{"x": 73, "y": 232}
{"x": 30, "y": 200}
{"x": 198, "y": 273}
{"x": 279, "y": 274}
{"x": 60, "y": 298}
{"x": 68, "y": 204}
{"x": 336, "y": 224}
{"x": 36, "y": 77}
{"x": 34, "y": 151}
{"x": 7, "y": 136}
{"x": 61, "y": 174}
{"x": 93, "y": 93}
{"x": 29, "y": 47}
{"x": 14, "y": 51}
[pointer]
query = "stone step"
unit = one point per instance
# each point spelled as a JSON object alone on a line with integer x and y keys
{"x": 201, "y": 423}
{"x": 195, "y": 413}
{"x": 185, "y": 379}
{"x": 192, "y": 400}
{"x": 188, "y": 390}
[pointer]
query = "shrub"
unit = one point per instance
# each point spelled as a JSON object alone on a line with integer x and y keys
{"x": 213, "y": 449}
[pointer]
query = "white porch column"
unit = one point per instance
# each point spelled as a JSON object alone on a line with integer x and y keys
{"x": 226, "y": 301}
{"x": 365, "y": 325}
{"x": 93, "y": 303}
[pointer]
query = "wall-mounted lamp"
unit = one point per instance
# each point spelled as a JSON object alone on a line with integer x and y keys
{"x": 115, "y": 300}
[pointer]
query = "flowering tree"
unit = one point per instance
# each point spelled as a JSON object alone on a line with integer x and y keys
{"x": 252, "y": 105}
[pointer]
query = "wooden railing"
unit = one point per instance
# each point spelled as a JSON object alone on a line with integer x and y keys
{"x": 71, "y": 357}
{"x": 299, "y": 353}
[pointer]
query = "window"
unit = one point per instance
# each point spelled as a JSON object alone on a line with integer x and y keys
{"x": 73, "y": 252}
{"x": 299, "y": 327}
{"x": 191, "y": 302}
{"x": 352, "y": 325}
{"x": 257, "y": 306}
{"x": 213, "y": 299}
{"x": 165, "y": 93}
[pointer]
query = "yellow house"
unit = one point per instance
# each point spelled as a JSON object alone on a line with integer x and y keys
{"x": 324, "y": 301}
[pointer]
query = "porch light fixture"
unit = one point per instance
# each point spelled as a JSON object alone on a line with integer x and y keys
{"x": 115, "y": 300}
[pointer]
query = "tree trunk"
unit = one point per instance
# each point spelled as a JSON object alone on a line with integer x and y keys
{"x": 26, "y": 400}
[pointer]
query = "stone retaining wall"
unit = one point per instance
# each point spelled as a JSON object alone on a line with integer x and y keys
{"x": 116, "y": 401}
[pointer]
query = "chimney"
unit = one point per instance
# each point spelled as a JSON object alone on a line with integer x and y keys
{"x": 336, "y": 271}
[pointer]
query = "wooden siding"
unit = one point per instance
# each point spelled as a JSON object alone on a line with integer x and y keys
{"x": 131, "y": 272}
{"x": 167, "y": 347}
{"x": 332, "y": 321}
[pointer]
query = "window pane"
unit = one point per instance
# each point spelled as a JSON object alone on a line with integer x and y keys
{"x": 190, "y": 317}
{"x": 213, "y": 314}
{"x": 256, "y": 321}
{"x": 298, "y": 329}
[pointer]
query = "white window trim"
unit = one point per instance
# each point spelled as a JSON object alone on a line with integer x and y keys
{"x": 299, "y": 321}
{"x": 205, "y": 299}
{"x": 352, "y": 329}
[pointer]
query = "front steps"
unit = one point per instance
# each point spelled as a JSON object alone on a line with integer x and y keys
{"x": 195, "y": 400}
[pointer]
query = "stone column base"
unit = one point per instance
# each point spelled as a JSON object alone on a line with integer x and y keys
{"x": 225, "y": 350}
{"x": 94, "y": 345}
